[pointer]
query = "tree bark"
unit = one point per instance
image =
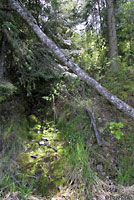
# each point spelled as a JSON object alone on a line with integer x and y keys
{"x": 2, "y": 55}
{"x": 118, "y": 103}
{"x": 112, "y": 36}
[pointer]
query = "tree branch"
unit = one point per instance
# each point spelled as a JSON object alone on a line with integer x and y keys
{"x": 91, "y": 114}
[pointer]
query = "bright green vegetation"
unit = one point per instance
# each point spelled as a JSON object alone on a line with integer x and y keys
{"x": 43, "y": 158}
{"x": 40, "y": 164}
{"x": 115, "y": 129}
{"x": 78, "y": 133}
{"x": 50, "y": 157}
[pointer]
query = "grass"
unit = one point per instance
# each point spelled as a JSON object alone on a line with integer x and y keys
{"x": 9, "y": 185}
{"x": 77, "y": 133}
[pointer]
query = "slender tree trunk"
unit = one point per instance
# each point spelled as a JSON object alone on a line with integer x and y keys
{"x": 99, "y": 12}
{"x": 112, "y": 36}
{"x": 2, "y": 55}
{"x": 118, "y": 103}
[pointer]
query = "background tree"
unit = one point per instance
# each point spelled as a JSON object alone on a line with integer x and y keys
{"x": 112, "y": 36}
{"x": 100, "y": 18}
{"x": 2, "y": 54}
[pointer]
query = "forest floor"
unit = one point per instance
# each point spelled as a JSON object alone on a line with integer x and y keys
{"x": 44, "y": 159}
{"x": 41, "y": 170}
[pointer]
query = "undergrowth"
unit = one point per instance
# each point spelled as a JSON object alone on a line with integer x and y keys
{"x": 78, "y": 134}
{"x": 73, "y": 157}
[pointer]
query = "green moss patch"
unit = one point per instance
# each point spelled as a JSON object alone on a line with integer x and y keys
{"x": 43, "y": 158}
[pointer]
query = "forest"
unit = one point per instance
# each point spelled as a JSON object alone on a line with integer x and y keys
{"x": 66, "y": 100}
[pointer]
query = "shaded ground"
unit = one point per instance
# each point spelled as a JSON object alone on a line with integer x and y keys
{"x": 44, "y": 164}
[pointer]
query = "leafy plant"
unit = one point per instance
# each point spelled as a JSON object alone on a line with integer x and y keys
{"x": 115, "y": 128}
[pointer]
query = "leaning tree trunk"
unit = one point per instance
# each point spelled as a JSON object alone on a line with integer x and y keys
{"x": 118, "y": 103}
{"x": 112, "y": 36}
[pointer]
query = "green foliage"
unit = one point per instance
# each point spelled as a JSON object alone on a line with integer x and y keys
{"x": 77, "y": 133}
{"x": 115, "y": 128}
{"x": 26, "y": 187}
{"x": 6, "y": 89}
{"x": 127, "y": 142}
{"x": 92, "y": 52}
{"x": 10, "y": 184}
{"x": 34, "y": 71}
{"x": 126, "y": 31}
{"x": 126, "y": 166}
{"x": 120, "y": 83}
{"x": 33, "y": 120}
{"x": 6, "y": 184}
{"x": 33, "y": 66}
{"x": 125, "y": 171}
{"x": 29, "y": 65}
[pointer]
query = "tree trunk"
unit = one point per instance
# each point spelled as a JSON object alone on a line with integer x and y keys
{"x": 2, "y": 55}
{"x": 112, "y": 36}
{"x": 118, "y": 103}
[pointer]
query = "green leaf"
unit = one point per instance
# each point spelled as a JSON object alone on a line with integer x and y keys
{"x": 118, "y": 137}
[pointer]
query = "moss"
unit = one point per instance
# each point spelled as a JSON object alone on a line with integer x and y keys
{"x": 42, "y": 161}
{"x": 123, "y": 95}
{"x": 33, "y": 120}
